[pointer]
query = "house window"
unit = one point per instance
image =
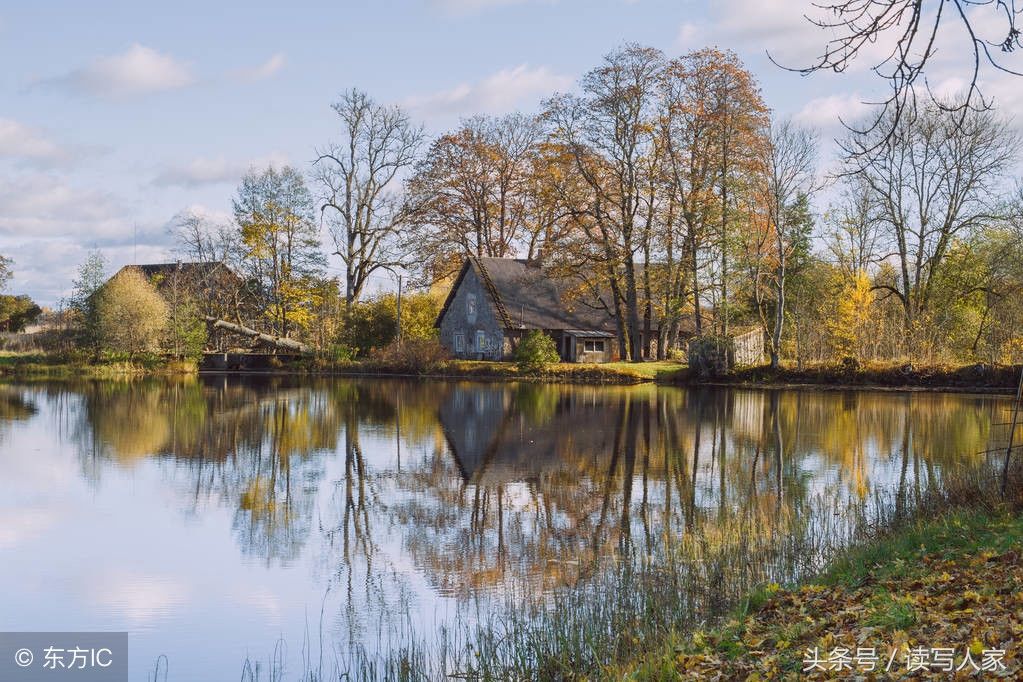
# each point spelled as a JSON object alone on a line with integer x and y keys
{"x": 459, "y": 343}
{"x": 594, "y": 346}
{"x": 481, "y": 341}
{"x": 470, "y": 307}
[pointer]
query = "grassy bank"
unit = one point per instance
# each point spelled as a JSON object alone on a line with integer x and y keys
{"x": 55, "y": 366}
{"x": 949, "y": 581}
{"x": 620, "y": 373}
{"x": 871, "y": 375}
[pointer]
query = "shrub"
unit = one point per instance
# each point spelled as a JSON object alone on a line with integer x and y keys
{"x": 415, "y": 356}
{"x": 535, "y": 352}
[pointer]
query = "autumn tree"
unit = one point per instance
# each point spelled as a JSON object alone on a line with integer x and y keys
{"x": 934, "y": 180}
{"x": 851, "y": 327}
{"x": 712, "y": 129}
{"x": 742, "y": 131}
{"x": 360, "y": 176}
{"x": 280, "y": 245}
{"x": 131, "y": 315}
{"x": 474, "y": 190}
{"x": 609, "y": 130}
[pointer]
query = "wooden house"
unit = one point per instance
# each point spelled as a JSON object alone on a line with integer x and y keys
{"x": 495, "y": 302}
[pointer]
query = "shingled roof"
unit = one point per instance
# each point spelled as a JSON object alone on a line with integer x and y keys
{"x": 526, "y": 296}
{"x": 152, "y": 270}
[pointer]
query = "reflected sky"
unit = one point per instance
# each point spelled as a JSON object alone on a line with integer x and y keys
{"x": 211, "y": 517}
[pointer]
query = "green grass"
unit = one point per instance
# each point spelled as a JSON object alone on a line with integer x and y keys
{"x": 583, "y": 373}
{"x": 38, "y": 365}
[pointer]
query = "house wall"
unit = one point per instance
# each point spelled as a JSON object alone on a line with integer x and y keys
{"x": 469, "y": 320}
{"x": 582, "y": 355}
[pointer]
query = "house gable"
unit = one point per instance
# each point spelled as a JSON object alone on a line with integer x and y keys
{"x": 470, "y": 324}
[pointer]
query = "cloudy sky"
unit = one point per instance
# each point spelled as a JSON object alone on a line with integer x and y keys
{"x": 115, "y": 116}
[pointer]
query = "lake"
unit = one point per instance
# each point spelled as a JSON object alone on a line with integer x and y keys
{"x": 289, "y": 521}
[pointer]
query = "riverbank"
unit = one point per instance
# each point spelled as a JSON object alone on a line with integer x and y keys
{"x": 976, "y": 378}
{"x": 982, "y": 378}
{"x": 939, "y": 591}
{"x": 54, "y": 366}
{"x": 617, "y": 373}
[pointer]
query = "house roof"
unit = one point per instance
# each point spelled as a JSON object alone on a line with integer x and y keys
{"x": 151, "y": 270}
{"x": 528, "y": 297}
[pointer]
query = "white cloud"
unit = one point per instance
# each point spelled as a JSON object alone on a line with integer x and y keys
{"x": 688, "y": 36}
{"x": 828, "y": 113}
{"x": 265, "y": 70}
{"x": 214, "y": 170}
{"x": 498, "y": 93}
{"x": 137, "y": 70}
{"x": 42, "y": 205}
{"x": 20, "y": 142}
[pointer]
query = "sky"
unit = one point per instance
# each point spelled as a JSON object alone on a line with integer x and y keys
{"x": 116, "y": 116}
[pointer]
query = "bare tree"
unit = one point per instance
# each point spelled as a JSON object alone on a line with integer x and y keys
{"x": 853, "y": 237}
{"x": 934, "y": 178}
{"x": 911, "y": 32}
{"x": 790, "y": 174}
{"x": 360, "y": 176}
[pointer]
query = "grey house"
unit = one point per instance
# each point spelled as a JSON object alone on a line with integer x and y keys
{"x": 494, "y": 302}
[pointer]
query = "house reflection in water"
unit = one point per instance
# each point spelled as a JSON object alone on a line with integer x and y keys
{"x": 499, "y": 435}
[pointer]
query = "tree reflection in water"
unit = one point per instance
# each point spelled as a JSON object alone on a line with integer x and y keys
{"x": 502, "y": 489}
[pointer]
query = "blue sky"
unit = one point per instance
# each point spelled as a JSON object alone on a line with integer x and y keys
{"x": 114, "y": 116}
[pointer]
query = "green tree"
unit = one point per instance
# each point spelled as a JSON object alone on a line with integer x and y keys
{"x": 16, "y": 312}
{"x": 131, "y": 315}
{"x": 91, "y": 275}
{"x": 6, "y": 271}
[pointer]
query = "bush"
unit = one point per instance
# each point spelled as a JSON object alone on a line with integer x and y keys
{"x": 415, "y": 356}
{"x": 535, "y": 352}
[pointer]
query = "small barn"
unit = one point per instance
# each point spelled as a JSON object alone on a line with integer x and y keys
{"x": 494, "y": 302}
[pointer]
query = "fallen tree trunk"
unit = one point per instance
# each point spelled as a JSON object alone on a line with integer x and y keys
{"x": 275, "y": 341}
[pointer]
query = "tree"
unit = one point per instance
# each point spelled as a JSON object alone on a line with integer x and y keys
{"x": 473, "y": 191}
{"x": 359, "y": 177}
{"x": 934, "y": 179}
{"x": 131, "y": 315}
{"x": 6, "y": 271}
{"x": 851, "y": 325}
{"x": 91, "y": 276}
{"x": 17, "y": 312}
{"x": 280, "y": 245}
{"x": 910, "y": 32}
{"x": 609, "y": 132}
{"x": 712, "y": 130}
{"x": 790, "y": 168}
{"x": 853, "y": 237}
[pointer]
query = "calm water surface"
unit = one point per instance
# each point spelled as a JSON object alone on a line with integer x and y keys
{"x": 214, "y": 517}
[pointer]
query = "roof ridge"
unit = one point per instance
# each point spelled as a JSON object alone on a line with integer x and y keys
{"x": 489, "y": 284}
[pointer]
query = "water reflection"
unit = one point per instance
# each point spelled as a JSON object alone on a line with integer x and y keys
{"x": 391, "y": 493}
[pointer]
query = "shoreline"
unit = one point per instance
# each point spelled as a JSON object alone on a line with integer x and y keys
{"x": 943, "y": 580}
{"x": 970, "y": 379}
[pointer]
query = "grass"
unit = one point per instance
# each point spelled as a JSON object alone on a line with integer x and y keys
{"x": 581, "y": 373}
{"x": 936, "y": 579}
{"x": 874, "y": 375}
{"x": 38, "y": 365}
